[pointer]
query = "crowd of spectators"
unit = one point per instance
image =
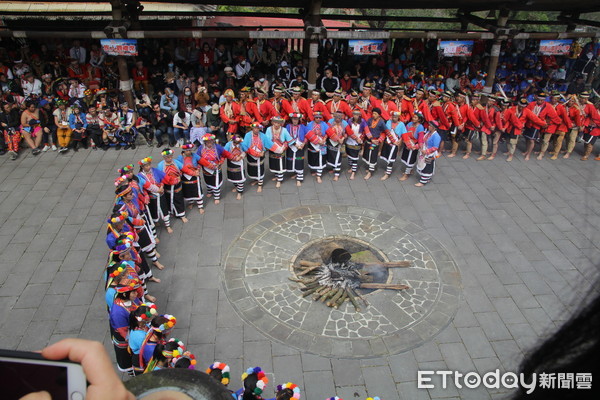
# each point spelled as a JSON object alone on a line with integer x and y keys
{"x": 64, "y": 95}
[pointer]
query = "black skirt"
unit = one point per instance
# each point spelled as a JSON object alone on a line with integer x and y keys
{"x": 256, "y": 167}
{"x": 389, "y": 152}
{"x": 214, "y": 180}
{"x": 352, "y": 151}
{"x": 294, "y": 160}
{"x": 532, "y": 133}
{"x": 334, "y": 156}
{"x": 409, "y": 157}
{"x": 316, "y": 159}
{"x": 235, "y": 172}
{"x": 277, "y": 162}
{"x": 370, "y": 153}
{"x": 192, "y": 188}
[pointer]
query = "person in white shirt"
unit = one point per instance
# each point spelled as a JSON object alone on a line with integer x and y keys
{"x": 31, "y": 86}
{"x": 181, "y": 127}
{"x": 242, "y": 69}
{"x": 77, "y": 52}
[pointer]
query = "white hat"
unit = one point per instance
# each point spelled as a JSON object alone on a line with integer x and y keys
{"x": 228, "y": 69}
{"x": 284, "y": 64}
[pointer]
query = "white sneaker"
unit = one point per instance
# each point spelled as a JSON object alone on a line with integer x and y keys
{"x": 54, "y": 147}
{"x": 177, "y": 144}
{"x": 46, "y": 148}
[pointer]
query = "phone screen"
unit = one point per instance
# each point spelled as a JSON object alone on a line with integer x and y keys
{"x": 18, "y": 379}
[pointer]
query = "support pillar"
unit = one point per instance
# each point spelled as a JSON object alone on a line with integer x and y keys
{"x": 313, "y": 33}
{"x": 495, "y": 54}
{"x": 124, "y": 81}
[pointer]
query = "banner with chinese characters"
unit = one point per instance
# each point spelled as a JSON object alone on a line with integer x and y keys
{"x": 555, "y": 47}
{"x": 119, "y": 47}
{"x": 457, "y": 48}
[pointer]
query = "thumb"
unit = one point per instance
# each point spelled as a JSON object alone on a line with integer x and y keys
{"x": 43, "y": 395}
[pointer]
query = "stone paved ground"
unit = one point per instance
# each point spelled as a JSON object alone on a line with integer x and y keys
{"x": 522, "y": 235}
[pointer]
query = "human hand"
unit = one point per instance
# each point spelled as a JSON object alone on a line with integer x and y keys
{"x": 98, "y": 369}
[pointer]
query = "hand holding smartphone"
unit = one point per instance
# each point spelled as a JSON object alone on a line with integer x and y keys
{"x": 72, "y": 369}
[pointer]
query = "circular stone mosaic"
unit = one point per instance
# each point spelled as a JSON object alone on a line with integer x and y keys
{"x": 259, "y": 263}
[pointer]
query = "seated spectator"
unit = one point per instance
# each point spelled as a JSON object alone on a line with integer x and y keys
{"x": 140, "y": 76}
{"x": 78, "y": 125}
{"x": 181, "y": 127}
{"x": 61, "y": 120}
{"x": 161, "y": 122}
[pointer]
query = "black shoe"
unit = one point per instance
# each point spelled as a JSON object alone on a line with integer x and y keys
{"x": 35, "y": 152}
{"x": 149, "y": 143}
{"x": 118, "y": 147}
{"x": 76, "y": 146}
{"x": 127, "y": 147}
{"x": 159, "y": 145}
{"x": 133, "y": 146}
{"x": 13, "y": 155}
{"x": 2, "y": 152}
{"x": 63, "y": 150}
{"x": 105, "y": 147}
{"x": 84, "y": 145}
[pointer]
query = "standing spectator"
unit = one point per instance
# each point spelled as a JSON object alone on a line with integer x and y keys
{"x": 284, "y": 73}
{"x": 242, "y": 71}
{"x": 140, "y": 76}
{"x": 9, "y": 121}
{"x": 206, "y": 61}
{"x": 215, "y": 124}
{"x": 222, "y": 57}
{"x": 78, "y": 125}
{"x": 255, "y": 55}
{"x": 329, "y": 83}
{"x": 77, "y": 52}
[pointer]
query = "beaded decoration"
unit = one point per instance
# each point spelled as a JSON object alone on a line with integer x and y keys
{"x": 123, "y": 190}
{"x": 187, "y": 355}
{"x": 373, "y": 398}
{"x": 171, "y": 321}
{"x": 124, "y": 247}
{"x": 256, "y": 125}
{"x": 167, "y": 152}
{"x": 224, "y": 371}
{"x": 262, "y": 379}
{"x": 177, "y": 352}
{"x": 149, "y": 314}
{"x": 208, "y": 136}
{"x": 122, "y": 217}
{"x": 129, "y": 285}
{"x": 126, "y": 169}
{"x": 121, "y": 180}
{"x": 145, "y": 160}
{"x": 292, "y": 386}
{"x": 318, "y": 114}
{"x": 187, "y": 146}
{"x": 295, "y": 115}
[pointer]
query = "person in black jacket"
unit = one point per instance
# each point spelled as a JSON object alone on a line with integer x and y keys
{"x": 10, "y": 121}
{"x": 162, "y": 123}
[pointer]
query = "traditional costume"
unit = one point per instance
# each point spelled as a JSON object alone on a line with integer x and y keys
{"x": 152, "y": 182}
{"x": 336, "y": 134}
{"x": 280, "y": 138}
{"x": 235, "y": 164}
{"x": 355, "y": 131}
{"x": 389, "y": 150}
{"x": 212, "y": 156}
{"x": 254, "y": 145}
{"x": 172, "y": 183}
{"x": 119, "y": 322}
{"x": 190, "y": 176}
{"x": 294, "y": 155}
{"x": 410, "y": 138}
{"x": 429, "y": 142}
{"x": 317, "y": 145}
{"x": 375, "y": 133}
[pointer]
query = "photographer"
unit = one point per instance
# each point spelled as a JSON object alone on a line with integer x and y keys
{"x": 161, "y": 123}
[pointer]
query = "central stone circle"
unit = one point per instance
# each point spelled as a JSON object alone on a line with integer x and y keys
{"x": 261, "y": 263}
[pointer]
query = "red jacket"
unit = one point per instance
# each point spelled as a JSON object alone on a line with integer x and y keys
{"x": 139, "y": 75}
{"x": 451, "y": 113}
{"x": 482, "y": 115}
{"x": 265, "y": 111}
{"x": 231, "y": 121}
{"x": 548, "y": 116}
{"x": 387, "y": 108}
{"x": 320, "y": 106}
{"x": 248, "y": 113}
{"x": 301, "y": 106}
{"x": 470, "y": 117}
{"x": 407, "y": 108}
{"x": 341, "y": 105}
{"x": 591, "y": 119}
{"x": 566, "y": 123}
{"x": 516, "y": 120}
{"x": 437, "y": 114}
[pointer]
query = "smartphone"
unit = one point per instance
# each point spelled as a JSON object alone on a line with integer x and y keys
{"x": 23, "y": 372}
